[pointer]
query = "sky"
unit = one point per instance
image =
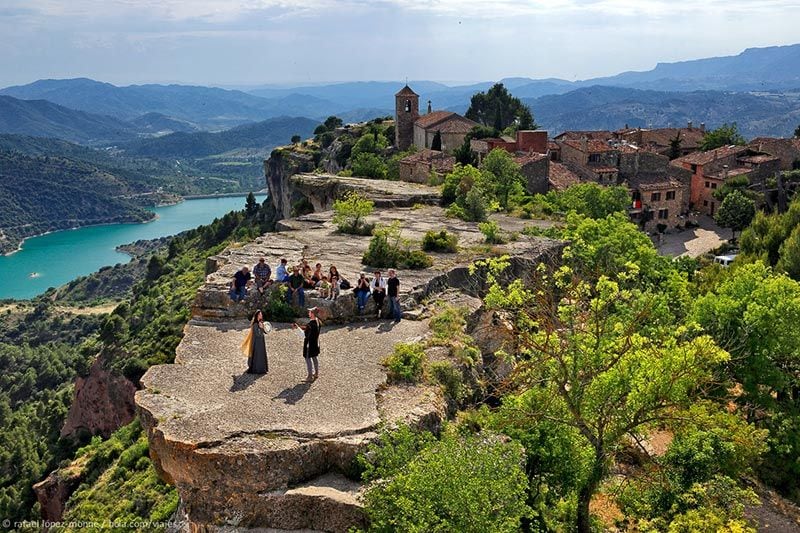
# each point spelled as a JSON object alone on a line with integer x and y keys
{"x": 258, "y": 42}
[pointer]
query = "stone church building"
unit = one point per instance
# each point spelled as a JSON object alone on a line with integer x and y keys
{"x": 411, "y": 128}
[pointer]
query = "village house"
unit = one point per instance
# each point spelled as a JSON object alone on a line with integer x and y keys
{"x": 660, "y": 140}
{"x": 709, "y": 171}
{"x": 787, "y": 150}
{"x": 418, "y": 167}
{"x": 657, "y": 204}
{"x": 560, "y": 177}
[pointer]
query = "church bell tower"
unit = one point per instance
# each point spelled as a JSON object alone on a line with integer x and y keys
{"x": 406, "y": 112}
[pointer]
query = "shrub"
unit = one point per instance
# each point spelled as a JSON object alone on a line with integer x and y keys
{"x": 451, "y": 380}
{"x": 392, "y": 451}
{"x": 277, "y": 309}
{"x": 491, "y": 231}
{"x": 475, "y": 205}
{"x": 475, "y": 484}
{"x": 440, "y": 241}
{"x": 369, "y": 165}
{"x": 406, "y": 363}
{"x": 418, "y": 260}
{"x": 387, "y": 248}
{"x": 350, "y": 212}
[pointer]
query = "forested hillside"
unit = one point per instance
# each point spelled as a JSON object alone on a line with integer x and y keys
{"x": 40, "y": 194}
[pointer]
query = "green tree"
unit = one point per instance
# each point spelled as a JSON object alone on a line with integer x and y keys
{"x": 503, "y": 175}
{"x": 368, "y": 165}
{"x": 675, "y": 146}
{"x": 736, "y": 212}
{"x": 463, "y": 153}
{"x": 332, "y": 122}
{"x": 458, "y": 484}
{"x": 605, "y": 360}
{"x": 350, "y": 211}
{"x": 789, "y": 252}
{"x": 725, "y": 135}
{"x": 251, "y": 205}
{"x": 296, "y": 139}
{"x": 588, "y": 199}
{"x": 498, "y": 109}
{"x": 436, "y": 143}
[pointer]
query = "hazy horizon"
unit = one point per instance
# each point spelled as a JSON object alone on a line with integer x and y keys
{"x": 262, "y": 42}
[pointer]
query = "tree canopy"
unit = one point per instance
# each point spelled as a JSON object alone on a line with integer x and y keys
{"x": 725, "y": 135}
{"x": 736, "y": 211}
{"x": 497, "y": 108}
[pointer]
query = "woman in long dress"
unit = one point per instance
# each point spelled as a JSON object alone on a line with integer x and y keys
{"x": 311, "y": 343}
{"x": 255, "y": 345}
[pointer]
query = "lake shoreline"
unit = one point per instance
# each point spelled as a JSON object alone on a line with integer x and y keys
{"x": 61, "y": 255}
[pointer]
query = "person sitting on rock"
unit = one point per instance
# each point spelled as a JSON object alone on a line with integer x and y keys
{"x": 308, "y": 283}
{"x": 282, "y": 272}
{"x": 316, "y": 276}
{"x": 378, "y": 287}
{"x": 296, "y": 282}
{"x": 241, "y": 280}
{"x": 362, "y": 292}
{"x": 262, "y": 274}
{"x": 324, "y": 287}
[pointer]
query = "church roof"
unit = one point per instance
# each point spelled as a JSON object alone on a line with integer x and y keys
{"x": 445, "y": 122}
{"x": 406, "y": 91}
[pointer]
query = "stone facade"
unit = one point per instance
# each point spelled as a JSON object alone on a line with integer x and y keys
{"x": 406, "y": 112}
{"x": 451, "y": 127}
{"x": 787, "y": 150}
{"x": 418, "y": 167}
{"x": 658, "y": 203}
{"x": 536, "y": 170}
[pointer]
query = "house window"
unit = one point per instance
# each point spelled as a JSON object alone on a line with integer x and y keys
{"x": 708, "y": 185}
{"x": 655, "y": 197}
{"x": 705, "y": 203}
{"x": 670, "y": 195}
{"x": 663, "y": 214}
{"x": 594, "y": 158}
{"x": 713, "y": 185}
{"x": 694, "y": 169}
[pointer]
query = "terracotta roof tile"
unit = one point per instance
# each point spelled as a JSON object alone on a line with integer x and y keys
{"x": 702, "y": 158}
{"x": 432, "y": 118}
{"x": 758, "y": 159}
{"x": 656, "y": 185}
{"x": 593, "y": 145}
{"x": 561, "y": 177}
{"x": 524, "y": 159}
{"x": 602, "y": 135}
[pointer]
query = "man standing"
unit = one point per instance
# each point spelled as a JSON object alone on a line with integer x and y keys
{"x": 296, "y": 286}
{"x": 393, "y": 291}
{"x": 263, "y": 274}
{"x": 239, "y": 284}
{"x": 281, "y": 274}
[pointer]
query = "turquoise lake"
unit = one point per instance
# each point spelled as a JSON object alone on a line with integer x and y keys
{"x": 62, "y": 256}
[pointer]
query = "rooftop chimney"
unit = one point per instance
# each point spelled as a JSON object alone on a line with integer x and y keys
{"x": 702, "y": 127}
{"x": 429, "y": 106}
{"x": 724, "y": 172}
{"x": 689, "y": 125}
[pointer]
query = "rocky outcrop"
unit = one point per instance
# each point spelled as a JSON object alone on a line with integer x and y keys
{"x": 282, "y": 165}
{"x": 103, "y": 402}
{"x": 252, "y": 450}
{"x": 53, "y": 492}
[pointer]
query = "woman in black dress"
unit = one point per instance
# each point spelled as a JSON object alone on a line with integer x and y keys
{"x": 255, "y": 345}
{"x": 311, "y": 343}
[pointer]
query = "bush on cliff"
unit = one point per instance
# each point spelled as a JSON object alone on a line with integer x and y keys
{"x": 440, "y": 241}
{"x": 407, "y": 363}
{"x": 458, "y": 484}
{"x": 350, "y": 211}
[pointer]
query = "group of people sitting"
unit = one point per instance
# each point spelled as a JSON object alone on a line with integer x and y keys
{"x": 329, "y": 285}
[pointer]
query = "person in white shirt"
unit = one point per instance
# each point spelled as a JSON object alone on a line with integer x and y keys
{"x": 378, "y": 288}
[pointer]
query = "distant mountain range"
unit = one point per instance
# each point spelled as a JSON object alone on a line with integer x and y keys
{"x": 265, "y": 135}
{"x": 757, "y": 88}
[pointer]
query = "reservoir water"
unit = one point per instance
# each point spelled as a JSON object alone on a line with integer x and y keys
{"x": 59, "y": 257}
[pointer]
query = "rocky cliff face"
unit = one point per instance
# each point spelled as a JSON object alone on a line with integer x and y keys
{"x": 103, "y": 403}
{"x": 282, "y": 165}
